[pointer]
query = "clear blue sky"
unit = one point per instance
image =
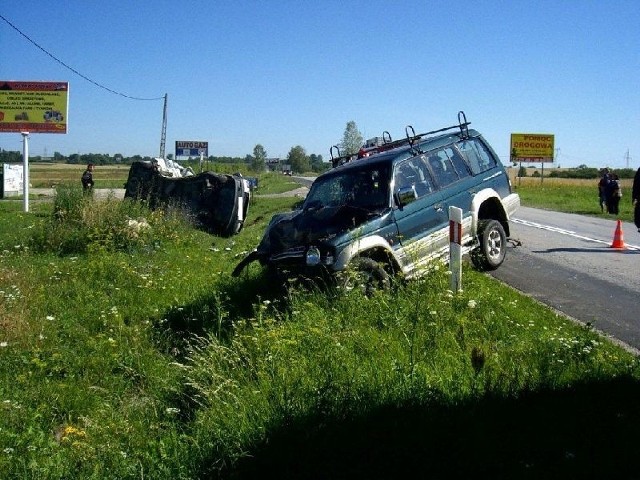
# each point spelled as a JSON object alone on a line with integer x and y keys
{"x": 287, "y": 73}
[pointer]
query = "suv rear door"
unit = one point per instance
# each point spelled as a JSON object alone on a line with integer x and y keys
{"x": 484, "y": 163}
{"x": 420, "y": 217}
{"x": 453, "y": 177}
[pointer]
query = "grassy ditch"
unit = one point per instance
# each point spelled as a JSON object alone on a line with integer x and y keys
{"x": 128, "y": 351}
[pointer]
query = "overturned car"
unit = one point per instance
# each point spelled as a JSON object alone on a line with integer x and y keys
{"x": 218, "y": 202}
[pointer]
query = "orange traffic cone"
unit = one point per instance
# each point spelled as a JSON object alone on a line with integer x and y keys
{"x": 618, "y": 239}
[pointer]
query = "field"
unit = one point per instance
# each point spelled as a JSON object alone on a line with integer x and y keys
{"x": 49, "y": 175}
{"x": 128, "y": 351}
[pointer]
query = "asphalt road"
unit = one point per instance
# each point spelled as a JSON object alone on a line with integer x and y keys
{"x": 566, "y": 261}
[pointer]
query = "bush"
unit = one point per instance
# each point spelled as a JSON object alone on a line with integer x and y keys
{"x": 79, "y": 223}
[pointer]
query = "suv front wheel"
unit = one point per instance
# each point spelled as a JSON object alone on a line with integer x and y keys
{"x": 490, "y": 254}
{"x": 367, "y": 274}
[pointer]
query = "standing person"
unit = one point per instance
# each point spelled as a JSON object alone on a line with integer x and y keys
{"x": 614, "y": 194}
{"x": 635, "y": 199}
{"x": 602, "y": 188}
{"x": 87, "y": 179}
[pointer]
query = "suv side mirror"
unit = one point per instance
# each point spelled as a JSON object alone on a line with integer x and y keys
{"x": 405, "y": 196}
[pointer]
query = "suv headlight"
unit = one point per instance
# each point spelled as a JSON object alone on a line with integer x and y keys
{"x": 313, "y": 256}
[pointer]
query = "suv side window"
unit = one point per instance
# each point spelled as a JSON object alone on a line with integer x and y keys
{"x": 442, "y": 168}
{"x": 414, "y": 173}
{"x": 477, "y": 155}
{"x": 458, "y": 162}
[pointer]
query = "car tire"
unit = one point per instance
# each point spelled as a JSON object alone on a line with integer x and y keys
{"x": 367, "y": 274}
{"x": 491, "y": 252}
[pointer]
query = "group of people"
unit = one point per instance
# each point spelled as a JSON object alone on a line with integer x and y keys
{"x": 610, "y": 193}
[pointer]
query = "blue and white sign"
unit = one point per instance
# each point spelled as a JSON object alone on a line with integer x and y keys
{"x": 190, "y": 148}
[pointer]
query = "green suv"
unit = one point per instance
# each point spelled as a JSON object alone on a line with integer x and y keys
{"x": 384, "y": 212}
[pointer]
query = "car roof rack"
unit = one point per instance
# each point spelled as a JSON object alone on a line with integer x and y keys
{"x": 411, "y": 138}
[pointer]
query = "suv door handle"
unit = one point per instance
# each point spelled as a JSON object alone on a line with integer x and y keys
{"x": 438, "y": 207}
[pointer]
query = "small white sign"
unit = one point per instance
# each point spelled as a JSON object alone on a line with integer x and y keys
{"x": 12, "y": 179}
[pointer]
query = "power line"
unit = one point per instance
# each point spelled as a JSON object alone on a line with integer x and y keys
{"x": 73, "y": 69}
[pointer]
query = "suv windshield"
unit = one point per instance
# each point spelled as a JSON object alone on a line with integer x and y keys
{"x": 366, "y": 188}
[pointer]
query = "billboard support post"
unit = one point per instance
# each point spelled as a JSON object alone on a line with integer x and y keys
{"x": 25, "y": 174}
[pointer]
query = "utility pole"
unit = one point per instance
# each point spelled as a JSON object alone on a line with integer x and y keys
{"x": 627, "y": 158}
{"x": 163, "y": 135}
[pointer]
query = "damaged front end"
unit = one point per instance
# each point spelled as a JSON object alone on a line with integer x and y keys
{"x": 320, "y": 238}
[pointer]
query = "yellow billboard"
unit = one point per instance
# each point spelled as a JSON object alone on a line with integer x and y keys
{"x": 532, "y": 147}
{"x": 34, "y": 107}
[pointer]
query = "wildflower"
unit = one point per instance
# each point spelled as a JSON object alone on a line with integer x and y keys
{"x": 51, "y": 318}
{"x": 8, "y": 450}
{"x": 3, "y": 344}
{"x": 172, "y": 410}
{"x": 472, "y": 304}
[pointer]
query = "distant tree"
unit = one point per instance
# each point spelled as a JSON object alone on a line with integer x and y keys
{"x": 10, "y": 157}
{"x": 259, "y": 158}
{"x": 351, "y": 140}
{"x": 58, "y": 157}
{"x": 522, "y": 172}
{"x": 317, "y": 164}
{"x": 298, "y": 160}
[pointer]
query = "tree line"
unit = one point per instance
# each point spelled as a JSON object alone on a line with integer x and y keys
{"x": 297, "y": 160}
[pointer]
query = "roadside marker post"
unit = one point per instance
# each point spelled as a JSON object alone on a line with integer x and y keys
{"x": 455, "y": 247}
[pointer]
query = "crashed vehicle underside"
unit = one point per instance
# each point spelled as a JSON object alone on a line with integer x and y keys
{"x": 218, "y": 202}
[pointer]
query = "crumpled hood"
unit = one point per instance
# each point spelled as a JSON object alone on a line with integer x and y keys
{"x": 304, "y": 227}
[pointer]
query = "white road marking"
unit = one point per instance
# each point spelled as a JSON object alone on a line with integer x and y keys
{"x": 562, "y": 231}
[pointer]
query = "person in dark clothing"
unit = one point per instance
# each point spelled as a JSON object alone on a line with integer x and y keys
{"x": 602, "y": 188}
{"x": 635, "y": 199}
{"x": 87, "y": 179}
{"x": 614, "y": 193}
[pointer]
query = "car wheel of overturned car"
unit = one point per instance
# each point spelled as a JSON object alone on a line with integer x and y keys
{"x": 367, "y": 274}
{"x": 490, "y": 254}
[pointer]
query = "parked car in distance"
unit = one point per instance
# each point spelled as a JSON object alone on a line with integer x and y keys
{"x": 386, "y": 213}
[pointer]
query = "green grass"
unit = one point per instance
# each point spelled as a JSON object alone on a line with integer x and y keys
{"x": 571, "y": 198}
{"x": 128, "y": 356}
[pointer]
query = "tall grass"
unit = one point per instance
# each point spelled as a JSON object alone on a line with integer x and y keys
{"x": 140, "y": 357}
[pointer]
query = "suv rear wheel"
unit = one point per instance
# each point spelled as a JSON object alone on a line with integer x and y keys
{"x": 490, "y": 254}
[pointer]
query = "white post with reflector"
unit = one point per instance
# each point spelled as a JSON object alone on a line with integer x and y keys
{"x": 455, "y": 247}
